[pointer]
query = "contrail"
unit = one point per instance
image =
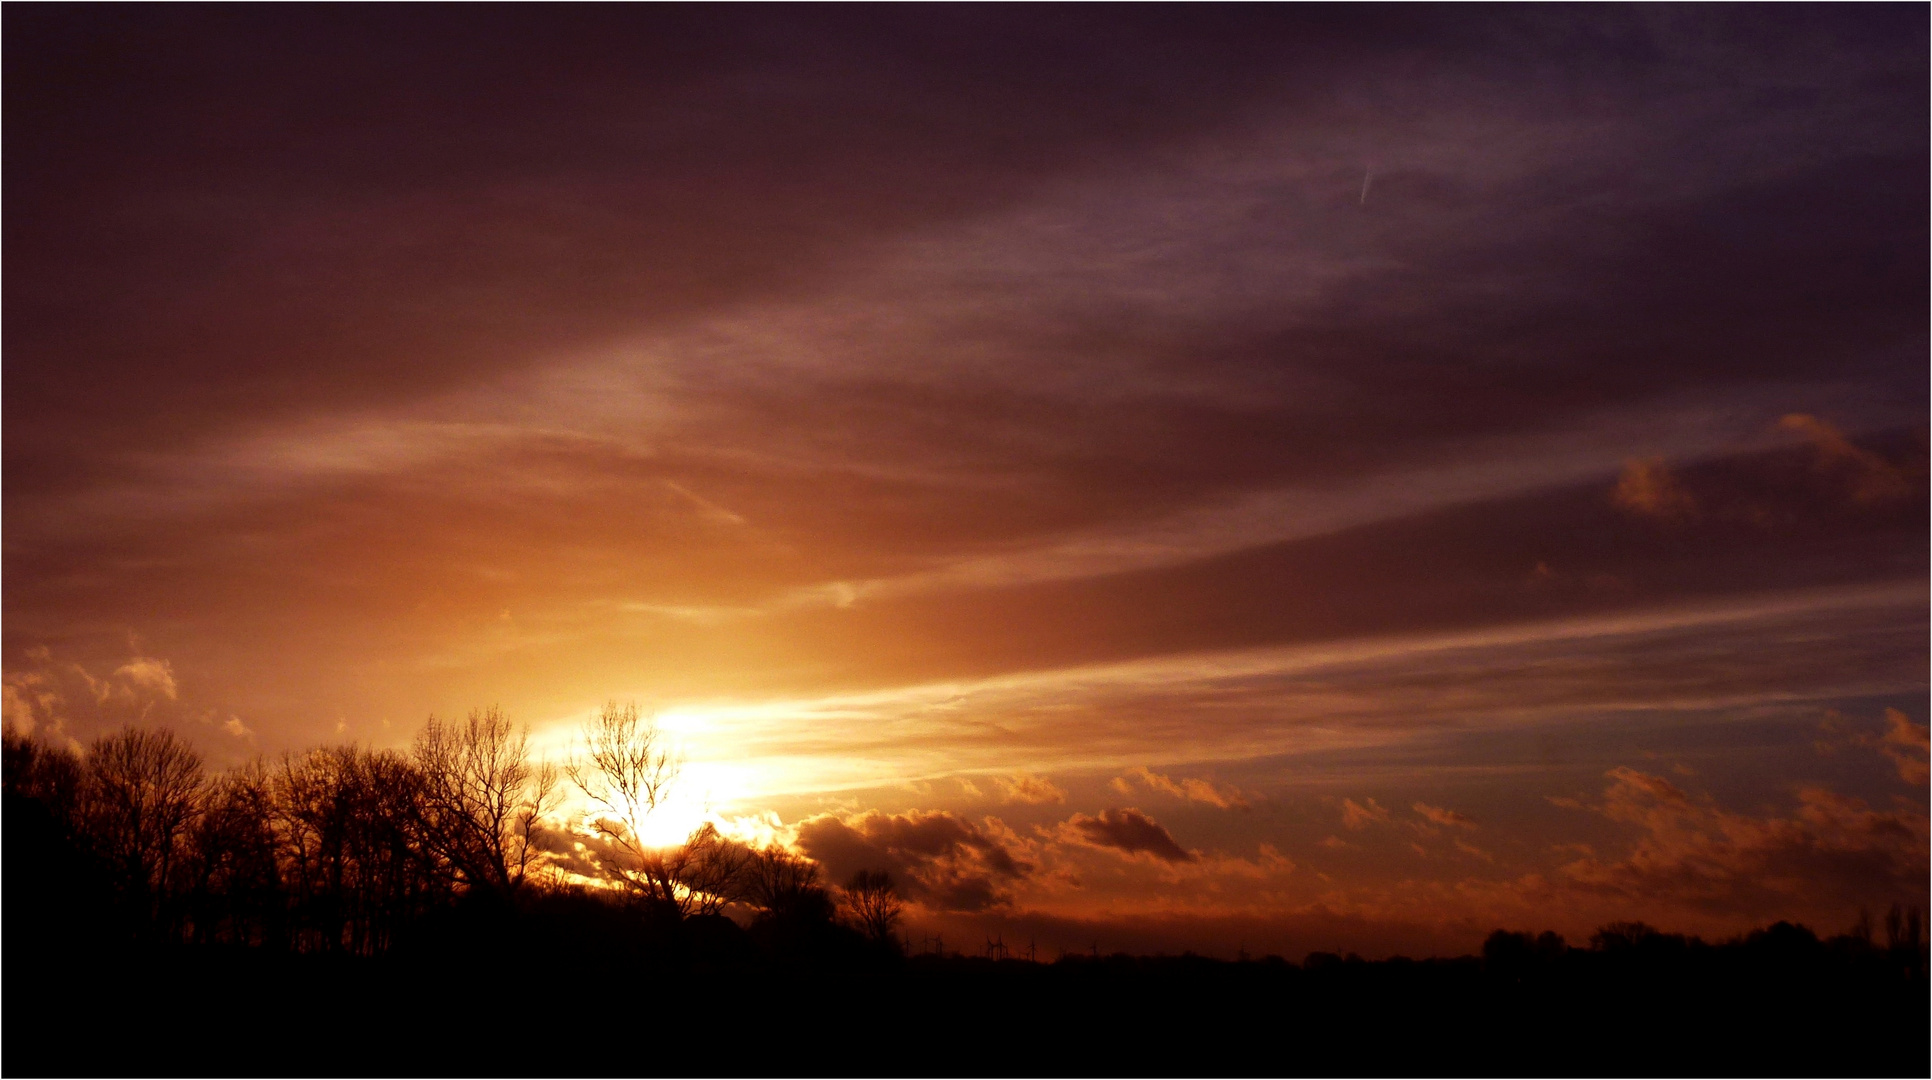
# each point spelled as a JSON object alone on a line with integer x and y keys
{"x": 1367, "y": 175}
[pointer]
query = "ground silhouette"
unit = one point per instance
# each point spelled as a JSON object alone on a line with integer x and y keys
{"x": 353, "y": 912}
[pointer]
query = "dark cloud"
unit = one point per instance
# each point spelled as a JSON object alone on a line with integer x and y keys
{"x": 943, "y": 861}
{"x": 1834, "y": 853}
{"x": 265, "y": 212}
{"x": 1128, "y": 831}
{"x": 578, "y": 852}
{"x": 1771, "y": 523}
{"x": 247, "y": 216}
{"x": 228, "y": 228}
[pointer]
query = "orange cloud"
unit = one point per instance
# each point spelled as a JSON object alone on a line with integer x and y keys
{"x": 1906, "y": 744}
{"x": 1190, "y": 788}
{"x": 1024, "y": 788}
{"x": 1359, "y": 816}
{"x": 1872, "y": 478}
{"x": 1648, "y": 487}
{"x": 1903, "y": 742}
{"x": 1443, "y": 816}
{"x": 149, "y": 673}
{"x": 65, "y": 700}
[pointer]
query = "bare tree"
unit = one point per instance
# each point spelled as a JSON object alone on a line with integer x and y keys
{"x": 235, "y": 892}
{"x": 697, "y": 877}
{"x": 784, "y": 885}
{"x": 626, "y": 771}
{"x": 51, "y": 775}
{"x": 872, "y": 902}
{"x": 140, "y": 793}
{"x": 483, "y": 798}
{"x": 354, "y": 834}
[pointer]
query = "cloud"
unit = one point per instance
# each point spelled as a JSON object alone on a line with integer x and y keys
{"x": 942, "y": 861}
{"x": 577, "y": 851}
{"x": 1647, "y": 487}
{"x": 1906, "y": 743}
{"x": 1190, "y": 788}
{"x": 150, "y": 674}
{"x": 1834, "y": 850}
{"x": 1871, "y": 478}
{"x": 1361, "y": 815}
{"x": 23, "y": 702}
{"x": 1903, "y": 742}
{"x": 1442, "y": 816}
{"x": 1025, "y": 788}
{"x": 15, "y": 713}
{"x": 64, "y": 698}
{"x": 235, "y": 727}
{"x": 1128, "y": 831}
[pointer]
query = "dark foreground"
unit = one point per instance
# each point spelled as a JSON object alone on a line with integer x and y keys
{"x": 246, "y": 946}
{"x": 1784, "y": 1004}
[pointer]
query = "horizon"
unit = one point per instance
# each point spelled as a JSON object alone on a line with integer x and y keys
{"x": 1280, "y": 480}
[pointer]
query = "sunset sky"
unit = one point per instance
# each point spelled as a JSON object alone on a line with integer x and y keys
{"x": 1277, "y": 478}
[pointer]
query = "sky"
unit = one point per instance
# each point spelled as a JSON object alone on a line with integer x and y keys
{"x": 1219, "y": 478}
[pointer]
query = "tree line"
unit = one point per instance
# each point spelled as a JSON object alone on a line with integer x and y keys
{"x": 410, "y": 905}
{"x": 344, "y": 849}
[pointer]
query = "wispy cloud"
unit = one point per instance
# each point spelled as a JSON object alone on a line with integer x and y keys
{"x": 1193, "y": 789}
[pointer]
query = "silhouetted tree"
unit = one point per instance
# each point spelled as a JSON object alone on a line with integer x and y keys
{"x": 872, "y": 902}
{"x": 697, "y": 877}
{"x": 58, "y": 889}
{"x": 236, "y": 896}
{"x": 1622, "y": 936}
{"x": 483, "y": 799}
{"x": 49, "y": 775}
{"x": 354, "y": 834}
{"x": 626, "y": 771}
{"x": 714, "y": 871}
{"x": 784, "y": 886}
{"x": 140, "y": 793}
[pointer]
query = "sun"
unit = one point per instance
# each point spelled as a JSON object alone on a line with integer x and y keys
{"x": 674, "y": 819}
{"x": 709, "y": 786}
